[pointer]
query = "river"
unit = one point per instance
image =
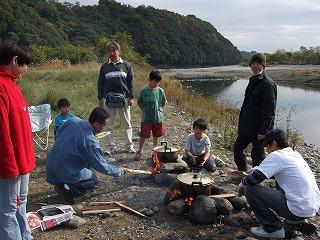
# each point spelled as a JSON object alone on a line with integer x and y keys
{"x": 296, "y": 105}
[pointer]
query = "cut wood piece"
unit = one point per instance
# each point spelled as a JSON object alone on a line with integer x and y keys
{"x": 101, "y": 211}
{"x": 139, "y": 171}
{"x": 104, "y": 203}
{"x": 124, "y": 207}
{"x": 100, "y": 207}
{"x": 102, "y": 135}
{"x": 225, "y": 195}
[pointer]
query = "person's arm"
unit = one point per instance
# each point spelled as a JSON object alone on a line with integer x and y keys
{"x": 130, "y": 82}
{"x": 205, "y": 157}
{"x": 140, "y": 100}
{"x": 98, "y": 162}
{"x": 101, "y": 87}
{"x": 254, "y": 178}
{"x": 268, "y": 108}
{"x": 190, "y": 155}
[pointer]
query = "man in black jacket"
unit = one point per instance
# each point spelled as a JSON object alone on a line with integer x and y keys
{"x": 257, "y": 114}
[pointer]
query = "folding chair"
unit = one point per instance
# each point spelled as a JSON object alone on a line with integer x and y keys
{"x": 40, "y": 118}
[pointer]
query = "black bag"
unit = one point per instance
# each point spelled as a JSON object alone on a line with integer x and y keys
{"x": 115, "y": 100}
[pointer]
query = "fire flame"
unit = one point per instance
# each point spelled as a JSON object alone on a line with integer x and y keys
{"x": 188, "y": 201}
{"x": 157, "y": 162}
{"x": 174, "y": 193}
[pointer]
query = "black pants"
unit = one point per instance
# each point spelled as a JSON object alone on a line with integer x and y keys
{"x": 257, "y": 152}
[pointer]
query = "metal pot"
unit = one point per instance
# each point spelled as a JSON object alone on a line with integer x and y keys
{"x": 166, "y": 154}
{"x": 193, "y": 184}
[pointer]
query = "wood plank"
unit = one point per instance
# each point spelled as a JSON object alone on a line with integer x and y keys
{"x": 137, "y": 171}
{"x": 104, "y": 203}
{"x": 101, "y": 211}
{"x": 100, "y": 207}
{"x": 124, "y": 207}
{"x": 225, "y": 195}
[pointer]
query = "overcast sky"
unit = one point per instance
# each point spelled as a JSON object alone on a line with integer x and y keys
{"x": 251, "y": 25}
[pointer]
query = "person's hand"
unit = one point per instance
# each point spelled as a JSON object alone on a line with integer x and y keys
{"x": 260, "y": 137}
{"x": 126, "y": 170}
{"x": 101, "y": 103}
{"x": 130, "y": 101}
{"x": 241, "y": 190}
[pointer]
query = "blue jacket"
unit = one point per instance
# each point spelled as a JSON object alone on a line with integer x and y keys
{"x": 74, "y": 152}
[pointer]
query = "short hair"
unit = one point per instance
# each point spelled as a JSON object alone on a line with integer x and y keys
{"x": 155, "y": 75}
{"x": 201, "y": 124}
{"x": 113, "y": 44}
{"x": 98, "y": 115}
{"x": 259, "y": 58}
{"x": 277, "y": 135}
{"x": 10, "y": 49}
{"x": 63, "y": 102}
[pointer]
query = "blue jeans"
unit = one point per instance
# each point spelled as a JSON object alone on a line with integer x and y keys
{"x": 208, "y": 165}
{"x": 262, "y": 199}
{"x": 13, "y": 201}
{"x": 81, "y": 187}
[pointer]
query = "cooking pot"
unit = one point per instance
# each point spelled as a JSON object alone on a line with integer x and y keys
{"x": 166, "y": 154}
{"x": 193, "y": 184}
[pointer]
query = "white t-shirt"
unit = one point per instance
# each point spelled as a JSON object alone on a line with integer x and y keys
{"x": 197, "y": 147}
{"x": 296, "y": 179}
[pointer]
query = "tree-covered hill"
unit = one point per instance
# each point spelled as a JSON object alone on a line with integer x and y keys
{"x": 165, "y": 38}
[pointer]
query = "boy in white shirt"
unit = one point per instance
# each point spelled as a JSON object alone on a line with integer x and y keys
{"x": 298, "y": 197}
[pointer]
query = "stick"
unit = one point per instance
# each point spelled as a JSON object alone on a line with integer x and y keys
{"x": 100, "y": 207}
{"x": 101, "y": 211}
{"x": 104, "y": 203}
{"x": 124, "y": 207}
{"x": 225, "y": 195}
{"x": 139, "y": 171}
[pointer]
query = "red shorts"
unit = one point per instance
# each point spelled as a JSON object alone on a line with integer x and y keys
{"x": 156, "y": 128}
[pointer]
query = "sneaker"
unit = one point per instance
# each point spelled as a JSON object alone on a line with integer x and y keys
{"x": 219, "y": 162}
{"x": 137, "y": 156}
{"x": 260, "y": 232}
{"x": 64, "y": 195}
{"x": 130, "y": 149}
{"x": 109, "y": 151}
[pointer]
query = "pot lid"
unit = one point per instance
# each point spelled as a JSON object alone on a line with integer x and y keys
{"x": 193, "y": 179}
{"x": 165, "y": 149}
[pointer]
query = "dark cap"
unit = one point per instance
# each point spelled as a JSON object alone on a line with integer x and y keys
{"x": 259, "y": 58}
{"x": 278, "y": 135}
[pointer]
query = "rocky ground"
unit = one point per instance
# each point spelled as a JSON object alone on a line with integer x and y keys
{"x": 145, "y": 195}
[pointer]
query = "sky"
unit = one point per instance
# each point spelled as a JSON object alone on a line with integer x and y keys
{"x": 251, "y": 25}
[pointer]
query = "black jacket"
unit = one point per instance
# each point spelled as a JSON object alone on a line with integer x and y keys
{"x": 259, "y": 106}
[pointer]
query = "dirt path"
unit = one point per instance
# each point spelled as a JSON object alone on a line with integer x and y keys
{"x": 140, "y": 193}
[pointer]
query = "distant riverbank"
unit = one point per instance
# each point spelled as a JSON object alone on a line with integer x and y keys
{"x": 307, "y": 75}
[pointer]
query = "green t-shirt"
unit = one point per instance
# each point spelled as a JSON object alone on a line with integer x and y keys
{"x": 153, "y": 101}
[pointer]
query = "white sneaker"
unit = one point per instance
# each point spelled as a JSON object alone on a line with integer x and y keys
{"x": 260, "y": 232}
{"x": 130, "y": 149}
{"x": 219, "y": 162}
{"x": 109, "y": 151}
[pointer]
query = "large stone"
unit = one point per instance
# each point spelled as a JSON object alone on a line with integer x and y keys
{"x": 203, "y": 210}
{"x": 177, "y": 167}
{"x": 177, "y": 207}
{"x": 165, "y": 179}
{"x": 230, "y": 220}
{"x": 216, "y": 190}
{"x": 238, "y": 202}
{"x": 224, "y": 207}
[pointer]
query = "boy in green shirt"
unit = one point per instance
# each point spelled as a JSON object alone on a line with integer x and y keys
{"x": 151, "y": 100}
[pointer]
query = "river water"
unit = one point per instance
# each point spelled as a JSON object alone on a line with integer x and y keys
{"x": 297, "y": 106}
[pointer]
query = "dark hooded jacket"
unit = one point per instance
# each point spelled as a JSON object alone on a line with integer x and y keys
{"x": 259, "y": 105}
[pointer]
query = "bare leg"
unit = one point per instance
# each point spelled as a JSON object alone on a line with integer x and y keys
{"x": 141, "y": 143}
{"x": 155, "y": 141}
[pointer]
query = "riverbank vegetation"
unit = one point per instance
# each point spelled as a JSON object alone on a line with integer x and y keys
{"x": 70, "y": 31}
